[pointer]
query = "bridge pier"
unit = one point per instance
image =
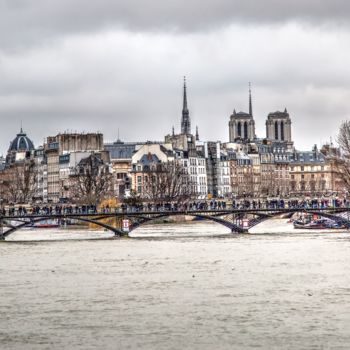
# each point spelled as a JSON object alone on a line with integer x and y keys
{"x": 243, "y": 231}
{"x": 120, "y": 234}
{"x": 2, "y": 237}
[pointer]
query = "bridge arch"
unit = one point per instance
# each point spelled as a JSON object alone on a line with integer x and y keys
{"x": 264, "y": 217}
{"x": 233, "y": 227}
{"x": 13, "y": 229}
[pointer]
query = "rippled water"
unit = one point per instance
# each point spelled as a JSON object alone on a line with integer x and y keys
{"x": 185, "y": 286}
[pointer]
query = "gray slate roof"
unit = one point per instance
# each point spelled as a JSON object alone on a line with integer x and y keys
{"x": 120, "y": 150}
{"x": 307, "y": 157}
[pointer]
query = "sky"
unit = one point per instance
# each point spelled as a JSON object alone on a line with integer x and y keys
{"x": 104, "y": 65}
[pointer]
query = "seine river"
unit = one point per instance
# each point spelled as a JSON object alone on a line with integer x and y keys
{"x": 184, "y": 286}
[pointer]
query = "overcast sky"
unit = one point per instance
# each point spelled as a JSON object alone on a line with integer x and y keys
{"x": 100, "y": 65}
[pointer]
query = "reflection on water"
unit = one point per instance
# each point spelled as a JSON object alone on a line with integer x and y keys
{"x": 183, "y": 286}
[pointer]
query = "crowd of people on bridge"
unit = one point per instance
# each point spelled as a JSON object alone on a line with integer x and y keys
{"x": 176, "y": 207}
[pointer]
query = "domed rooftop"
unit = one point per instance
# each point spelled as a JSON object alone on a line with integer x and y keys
{"x": 21, "y": 143}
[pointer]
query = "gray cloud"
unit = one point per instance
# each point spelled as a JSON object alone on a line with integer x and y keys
{"x": 107, "y": 65}
{"x": 25, "y": 22}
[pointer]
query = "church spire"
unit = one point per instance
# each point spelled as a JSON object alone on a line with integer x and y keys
{"x": 250, "y": 100}
{"x": 185, "y": 121}
{"x": 197, "y": 134}
{"x": 185, "y": 95}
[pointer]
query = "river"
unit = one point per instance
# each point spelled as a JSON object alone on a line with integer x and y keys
{"x": 183, "y": 286}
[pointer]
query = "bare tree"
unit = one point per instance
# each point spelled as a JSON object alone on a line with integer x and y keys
{"x": 168, "y": 182}
{"x": 19, "y": 183}
{"x": 268, "y": 181}
{"x": 344, "y": 139}
{"x": 92, "y": 181}
{"x": 341, "y": 162}
{"x": 246, "y": 185}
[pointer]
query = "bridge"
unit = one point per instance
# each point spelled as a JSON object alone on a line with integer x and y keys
{"x": 237, "y": 220}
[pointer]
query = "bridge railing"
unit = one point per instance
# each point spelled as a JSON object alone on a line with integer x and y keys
{"x": 86, "y": 210}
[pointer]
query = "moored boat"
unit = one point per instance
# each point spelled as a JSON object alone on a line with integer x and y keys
{"x": 319, "y": 224}
{"x": 46, "y": 224}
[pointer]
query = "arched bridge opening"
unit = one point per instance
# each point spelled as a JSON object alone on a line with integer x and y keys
{"x": 261, "y": 217}
{"x": 28, "y": 222}
{"x": 137, "y": 221}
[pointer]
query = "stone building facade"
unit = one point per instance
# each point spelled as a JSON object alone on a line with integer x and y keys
{"x": 58, "y": 149}
{"x": 241, "y": 175}
{"x": 120, "y": 154}
{"x": 310, "y": 174}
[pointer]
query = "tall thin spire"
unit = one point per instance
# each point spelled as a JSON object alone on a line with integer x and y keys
{"x": 250, "y": 100}
{"x": 197, "y": 134}
{"x": 185, "y": 95}
{"x": 185, "y": 121}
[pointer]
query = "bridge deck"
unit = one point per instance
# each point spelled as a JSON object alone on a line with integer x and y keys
{"x": 231, "y": 218}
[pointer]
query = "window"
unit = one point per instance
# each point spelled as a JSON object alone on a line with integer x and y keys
{"x": 239, "y": 129}
{"x": 276, "y": 130}
{"x": 282, "y": 131}
{"x": 245, "y": 130}
{"x": 313, "y": 186}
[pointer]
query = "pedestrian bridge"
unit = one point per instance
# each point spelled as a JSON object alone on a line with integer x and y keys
{"x": 237, "y": 220}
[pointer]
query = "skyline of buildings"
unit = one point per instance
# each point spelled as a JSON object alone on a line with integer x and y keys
{"x": 241, "y": 124}
{"x": 246, "y": 166}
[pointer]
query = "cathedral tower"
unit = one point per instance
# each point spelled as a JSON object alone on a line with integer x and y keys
{"x": 241, "y": 124}
{"x": 278, "y": 126}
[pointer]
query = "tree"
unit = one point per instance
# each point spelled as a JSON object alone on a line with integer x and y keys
{"x": 168, "y": 182}
{"x": 19, "y": 183}
{"x": 344, "y": 139}
{"x": 92, "y": 181}
{"x": 341, "y": 161}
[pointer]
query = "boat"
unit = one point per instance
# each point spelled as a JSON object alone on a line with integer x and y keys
{"x": 319, "y": 224}
{"x": 311, "y": 225}
{"x": 46, "y": 224}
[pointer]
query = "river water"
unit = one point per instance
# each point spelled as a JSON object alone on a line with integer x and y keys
{"x": 183, "y": 286}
